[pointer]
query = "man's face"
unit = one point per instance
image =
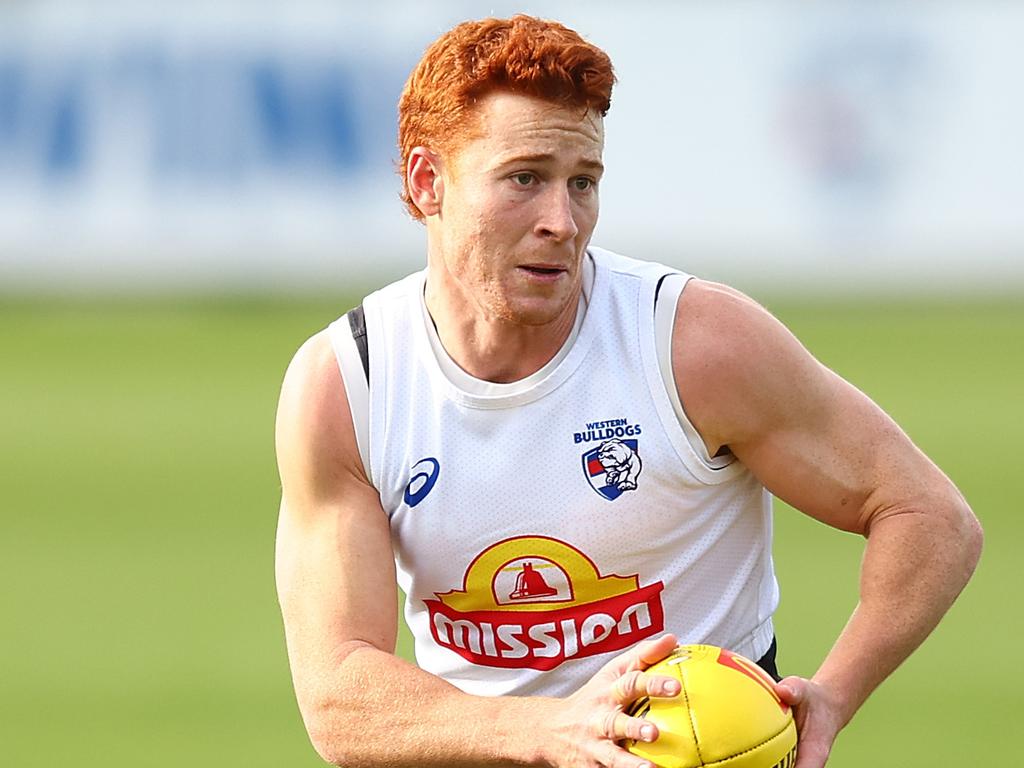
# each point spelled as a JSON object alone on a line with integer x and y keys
{"x": 519, "y": 206}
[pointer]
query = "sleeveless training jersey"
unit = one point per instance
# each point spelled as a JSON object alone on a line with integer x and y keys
{"x": 548, "y": 524}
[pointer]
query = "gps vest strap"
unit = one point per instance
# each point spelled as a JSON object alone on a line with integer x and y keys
{"x": 357, "y": 321}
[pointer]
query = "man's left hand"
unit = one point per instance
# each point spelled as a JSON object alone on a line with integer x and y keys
{"x": 818, "y": 719}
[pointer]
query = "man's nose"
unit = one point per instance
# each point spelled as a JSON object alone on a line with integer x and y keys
{"x": 557, "y": 220}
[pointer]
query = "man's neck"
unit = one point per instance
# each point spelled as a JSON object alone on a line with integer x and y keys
{"x": 488, "y": 347}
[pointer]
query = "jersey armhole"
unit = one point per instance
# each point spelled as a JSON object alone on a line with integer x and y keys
{"x": 669, "y": 289}
{"x": 353, "y": 364}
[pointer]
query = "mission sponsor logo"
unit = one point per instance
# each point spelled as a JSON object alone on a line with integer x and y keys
{"x": 533, "y": 602}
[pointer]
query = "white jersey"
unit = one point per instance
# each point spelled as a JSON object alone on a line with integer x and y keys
{"x": 541, "y": 527}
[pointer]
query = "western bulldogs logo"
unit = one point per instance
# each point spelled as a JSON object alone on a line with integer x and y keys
{"x": 613, "y": 467}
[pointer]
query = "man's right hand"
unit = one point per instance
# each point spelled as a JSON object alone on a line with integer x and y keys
{"x": 591, "y": 724}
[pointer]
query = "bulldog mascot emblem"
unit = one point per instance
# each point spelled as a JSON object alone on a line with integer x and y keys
{"x": 613, "y": 467}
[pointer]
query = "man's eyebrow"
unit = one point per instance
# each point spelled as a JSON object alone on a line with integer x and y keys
{"x": 545, "y": 157}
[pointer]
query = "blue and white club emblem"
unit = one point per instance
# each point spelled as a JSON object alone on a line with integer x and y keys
{"x": 612, "y": 467}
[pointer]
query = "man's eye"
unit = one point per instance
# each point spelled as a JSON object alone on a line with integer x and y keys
{"x": 583, "y": 183}
{"x": 523, "y": 179}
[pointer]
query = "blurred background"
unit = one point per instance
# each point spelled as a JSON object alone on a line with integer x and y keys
{"x": 190, "y": 189}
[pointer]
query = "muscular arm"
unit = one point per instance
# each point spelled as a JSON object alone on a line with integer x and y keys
{"x": 361, "y": 704}
{"x": 818, "y": 443}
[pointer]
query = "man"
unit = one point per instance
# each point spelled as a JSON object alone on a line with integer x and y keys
{"x": 566, "y": 453}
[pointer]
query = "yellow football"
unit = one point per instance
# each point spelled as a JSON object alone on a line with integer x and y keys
{"x": 727, "y": 714}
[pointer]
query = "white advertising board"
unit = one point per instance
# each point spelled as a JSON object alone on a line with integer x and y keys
{"x": 242, "y": 145}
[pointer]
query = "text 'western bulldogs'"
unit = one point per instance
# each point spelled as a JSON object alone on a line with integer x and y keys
{"x": 603, "y": 430}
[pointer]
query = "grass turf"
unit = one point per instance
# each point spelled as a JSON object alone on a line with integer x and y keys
{"x": 139, "y": 497}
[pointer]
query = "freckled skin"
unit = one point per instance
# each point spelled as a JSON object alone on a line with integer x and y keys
{"x": 516, "y": 207}
{"x": 508, "y": 218}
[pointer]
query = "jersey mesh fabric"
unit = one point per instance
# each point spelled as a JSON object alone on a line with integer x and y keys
{"x": 686, "y": 550}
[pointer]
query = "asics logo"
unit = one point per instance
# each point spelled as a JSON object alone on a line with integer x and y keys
{"x": 423, "y": 481}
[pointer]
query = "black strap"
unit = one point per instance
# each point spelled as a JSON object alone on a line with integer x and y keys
{"x": 357, "y": 322}
{"x": 767, "y": 662}
{"x": 657, "y": 288}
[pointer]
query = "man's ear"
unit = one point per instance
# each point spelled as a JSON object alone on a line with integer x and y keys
{"x": 423, "y": 177}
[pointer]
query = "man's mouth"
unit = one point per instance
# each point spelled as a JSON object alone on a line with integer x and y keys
{"x": 543, "y": 270}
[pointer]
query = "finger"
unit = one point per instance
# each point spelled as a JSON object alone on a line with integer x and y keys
{"x": 640, "y": 656}
{"x": 792, "y": 690}
{"x": 619, "y": 727}
{"x": 649, "y": 652}
{"x": 613, "y": 756}
{"x": 811, "y": 755}
{"x": 636, "y": 684}
{"x": 652, "y": 651}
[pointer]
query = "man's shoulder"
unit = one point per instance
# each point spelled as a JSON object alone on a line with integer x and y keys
{"x": 733, "y": 360}
{"x": 718, "y": 306}
{"x": 715, "y": 311}
{"x": 313, "y": 377}
{"x": 724, "y": 328}
{"x": 314, "y": 424}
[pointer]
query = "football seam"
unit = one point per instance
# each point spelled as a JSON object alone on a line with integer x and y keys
{"x": 738, "y": 754}
{"x": 693, "y": 724}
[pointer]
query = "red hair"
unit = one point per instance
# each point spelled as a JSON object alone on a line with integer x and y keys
{"x": 522, "y": 55}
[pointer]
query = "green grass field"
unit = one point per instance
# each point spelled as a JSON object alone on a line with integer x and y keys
{"x": 139, "y": 497}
